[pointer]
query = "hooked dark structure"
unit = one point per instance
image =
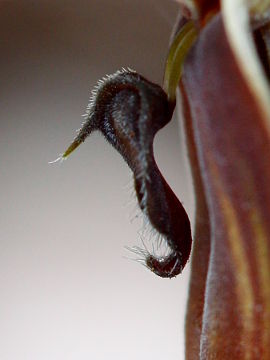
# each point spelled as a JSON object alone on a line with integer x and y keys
{"x": 129, "y": 110}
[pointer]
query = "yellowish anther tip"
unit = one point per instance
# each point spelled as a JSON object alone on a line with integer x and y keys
{"x": 71, "y": 148}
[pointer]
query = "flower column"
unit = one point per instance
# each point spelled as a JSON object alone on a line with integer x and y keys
{"x": 225, "y": 89}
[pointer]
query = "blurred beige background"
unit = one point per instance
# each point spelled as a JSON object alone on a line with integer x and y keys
{"x": 67, "y": 290}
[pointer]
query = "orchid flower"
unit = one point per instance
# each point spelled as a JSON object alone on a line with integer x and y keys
{"x": 225, "y": 95}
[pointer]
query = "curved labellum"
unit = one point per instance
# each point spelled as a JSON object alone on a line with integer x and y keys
{"x": 129, "y": 110}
